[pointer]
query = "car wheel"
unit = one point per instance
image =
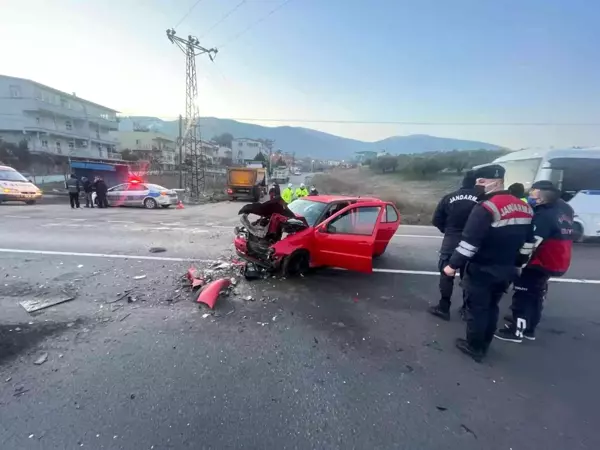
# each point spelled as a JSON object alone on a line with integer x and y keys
{"x": 30, "y": 202}
{"x": 578, "y": 235}
{"x": 296, "y": 264}
{"x": 150, "y": 203}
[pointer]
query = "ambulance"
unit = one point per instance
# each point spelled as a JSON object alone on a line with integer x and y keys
{"x": 14, "y": 187}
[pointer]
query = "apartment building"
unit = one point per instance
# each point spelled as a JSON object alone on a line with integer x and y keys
{"x": 151, "y": 146}
{"x": 244, "y": 149}
{"x": 55, "y": 122}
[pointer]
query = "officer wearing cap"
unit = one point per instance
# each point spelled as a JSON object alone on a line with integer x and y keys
{"x": 450, "y": 218}
{"x": 553, "y": 232}
{"x": 496, "y": 240}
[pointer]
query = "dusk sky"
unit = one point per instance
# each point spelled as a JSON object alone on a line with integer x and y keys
{"x": 434, "y": 61}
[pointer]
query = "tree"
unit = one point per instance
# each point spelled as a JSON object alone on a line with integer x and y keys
{"x": 386, "y": 163}
{"x": 223, "y": 140}
{"x": 260, "y": 157}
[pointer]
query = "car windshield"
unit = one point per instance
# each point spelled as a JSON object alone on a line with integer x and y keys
{"x": 11, "y": 175}
{"x": 310, "y": 210}
{"x": 156, "y": 187}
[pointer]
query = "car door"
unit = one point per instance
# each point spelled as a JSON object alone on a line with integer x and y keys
{"x": 116, "y": 195}
{"x": 390, "y": 221}
{"x": 340, "y": 242}
{"x": 136, "y": 193}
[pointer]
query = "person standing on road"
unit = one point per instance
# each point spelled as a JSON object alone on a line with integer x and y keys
{"x": 553, "y": 233}
{"x": 274, "y": 191}
{"x": 288, "y": 194}
{"x": 450, "y": 218}
{"x": 313, "y": 192}
{"x": 73, "y": 185}
{"x": 301, "y": 191}
{"x": 101, "y": 190}
{"x": 88, "y": 188}
{"x": 496, "y": 240}
{"x": 518, "y": 190}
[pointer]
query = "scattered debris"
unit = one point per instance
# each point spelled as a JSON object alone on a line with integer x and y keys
{"x": 210, "y": 293}
{"x": 409, "y": 368}
{"x": 252, "y": 272}
{"x": 139, "y": 277}
{"x": 441, "y": 408}
{"x": 37, "y": 305}
{"x": 434, "y": 345}
{"x": 8, "y": 379}
{"x": 120, "y": 296}
{"x": 157, "y": 249}
{"x": 20, "y": 390}
{"x": 131, "y": 299}
{"x": 221, "y": 266}
{"x": 80, "y": 266}
{"x": 468, "y": 430}
{"x": 250, "y": 298}
{"x": 274, "y": 318}
{"x": 204, "y": 316}
{"x": 124, "y": 317}
{"x": 41, "y": 360}
{"x": 132, "y": 396}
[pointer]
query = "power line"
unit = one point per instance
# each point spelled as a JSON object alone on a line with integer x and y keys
{"x": 252, "y": 25}
{"x": 222, "y": 19}
{"x": 187, "y": 13}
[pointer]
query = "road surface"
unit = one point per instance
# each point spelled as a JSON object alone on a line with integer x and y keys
{"x": 333, "y": 360}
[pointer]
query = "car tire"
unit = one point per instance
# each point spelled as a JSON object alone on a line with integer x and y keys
{"x": 296, "y": 264}
{"x": 150, "y": 203}
{"x": 30, "y": 202}
{"x": 578, "y": 235}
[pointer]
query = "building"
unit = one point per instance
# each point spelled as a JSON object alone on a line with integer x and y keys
{"x": 160, "y": 149}
{"x": 52, "y": 121}
{"x": 245, "y": 149}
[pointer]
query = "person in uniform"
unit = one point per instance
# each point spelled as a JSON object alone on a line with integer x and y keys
{"x": 101, "y": 190}
{"x": 313, "y": 191}
{"x": 450, "y": 218}
{"x": 301, "y": 191}
{"x": 496, "y": 240}
{"x": 553, "y": 232}
{"x": 73, "y": 185}
{"x": 288, "y": 194}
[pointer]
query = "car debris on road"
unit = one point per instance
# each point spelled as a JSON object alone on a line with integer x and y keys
{"x": 36, "y": 305}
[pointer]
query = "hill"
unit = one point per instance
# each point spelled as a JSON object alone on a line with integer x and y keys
{"x": 308, "y": 142}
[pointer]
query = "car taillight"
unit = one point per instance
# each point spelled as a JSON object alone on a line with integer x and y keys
{"x": 164, "y": 193}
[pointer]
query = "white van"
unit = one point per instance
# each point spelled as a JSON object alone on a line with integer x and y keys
{"x": 14, "y": 187}
{"x": 575, "y": 171}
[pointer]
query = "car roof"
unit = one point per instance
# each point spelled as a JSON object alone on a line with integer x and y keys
{"x": 7, "y": 168}
{"x": 339, "y": 198}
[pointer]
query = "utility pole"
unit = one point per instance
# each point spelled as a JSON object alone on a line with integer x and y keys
{"x": 195, "y": 174}
{"x": 180, "y": 145}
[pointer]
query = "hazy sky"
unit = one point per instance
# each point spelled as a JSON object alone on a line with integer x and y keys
{"x": 443, "y": 61}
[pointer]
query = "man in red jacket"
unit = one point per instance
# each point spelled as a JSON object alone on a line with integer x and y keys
{"x": 553, "y": 231}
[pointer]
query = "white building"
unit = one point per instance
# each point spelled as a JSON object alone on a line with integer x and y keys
{"x": 52, "y": 121}
{"x": 151, "y": 146}
{"x": 244, "y": 148}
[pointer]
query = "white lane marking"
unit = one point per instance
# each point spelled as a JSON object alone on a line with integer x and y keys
{"x": 162, "y": 258}
{"x": 120, "y": 221}
{"x": 418, "y": 236}
{"x": 432, "y": 273}
{"x": 18, "y": 217}
{"x": 103, "y": 255}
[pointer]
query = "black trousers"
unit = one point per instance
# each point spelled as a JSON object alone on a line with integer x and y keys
{"x": 528, "y": 298}
{"x": 101, "y": 199}
{"x": 74, "y": 199}
{"x": 484, "y": 287}
{"x": 447, "y": 283}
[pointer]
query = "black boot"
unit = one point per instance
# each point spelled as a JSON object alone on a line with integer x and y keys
{"x": 463, "y": 313}
{"x": 440, "y": 311}
{"x": 464, "y": 346}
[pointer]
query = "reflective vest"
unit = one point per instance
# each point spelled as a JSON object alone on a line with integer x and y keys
{"x": 287, "y": 195}
{"x": 301, "y": 192}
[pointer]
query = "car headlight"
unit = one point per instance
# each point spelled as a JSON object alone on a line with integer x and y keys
{"x": 10, "y": 191}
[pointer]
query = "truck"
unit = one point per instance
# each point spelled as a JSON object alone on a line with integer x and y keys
{"x": 246, "y": 182}
{"x": 280, "y": 175}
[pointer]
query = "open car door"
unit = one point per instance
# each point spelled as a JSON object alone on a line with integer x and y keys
{"x": 347, "y": 239}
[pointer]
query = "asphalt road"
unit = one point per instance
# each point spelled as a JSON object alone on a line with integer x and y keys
{"x": 333, "y": 360}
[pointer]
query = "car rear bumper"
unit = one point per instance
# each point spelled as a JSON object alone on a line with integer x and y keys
{"x": 19, "y": 197}
{"x": 167, "y": 200}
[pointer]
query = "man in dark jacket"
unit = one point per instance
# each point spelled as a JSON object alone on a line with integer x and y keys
{"x": 73, "y": 185}
{"x": 101, "y": 190}
{"x": 313, "y": 192}
{"x": 553, "y": 233}
{"x": 88, "y": 188}
{"x": 450, "y": 218}
{"x": 496, "y": 240}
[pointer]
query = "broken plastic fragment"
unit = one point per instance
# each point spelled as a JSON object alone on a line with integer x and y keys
{"x": 139, "y": 277}
{"x": 210, "y": 293}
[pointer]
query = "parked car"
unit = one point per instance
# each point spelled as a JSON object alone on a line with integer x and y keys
{"x": 136, "y": 193}
{"x": 334, "y": 231}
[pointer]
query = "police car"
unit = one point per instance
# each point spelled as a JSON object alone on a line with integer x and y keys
{"x": 138, "y": 193}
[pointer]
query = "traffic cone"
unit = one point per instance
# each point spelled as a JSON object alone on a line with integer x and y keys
{"x": 179, "y": 205}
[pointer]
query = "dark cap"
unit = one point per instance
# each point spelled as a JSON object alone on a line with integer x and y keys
{"x": 544, "y": 185}
{"x": 491, "y": 172}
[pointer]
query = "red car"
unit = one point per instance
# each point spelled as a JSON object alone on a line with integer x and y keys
{"x": 333, "y": 231}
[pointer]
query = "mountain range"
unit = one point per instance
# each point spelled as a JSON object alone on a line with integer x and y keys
{"x": 307, "y": 142}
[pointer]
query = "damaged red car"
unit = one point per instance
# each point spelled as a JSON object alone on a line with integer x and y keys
{"x": 327, "y": 231}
